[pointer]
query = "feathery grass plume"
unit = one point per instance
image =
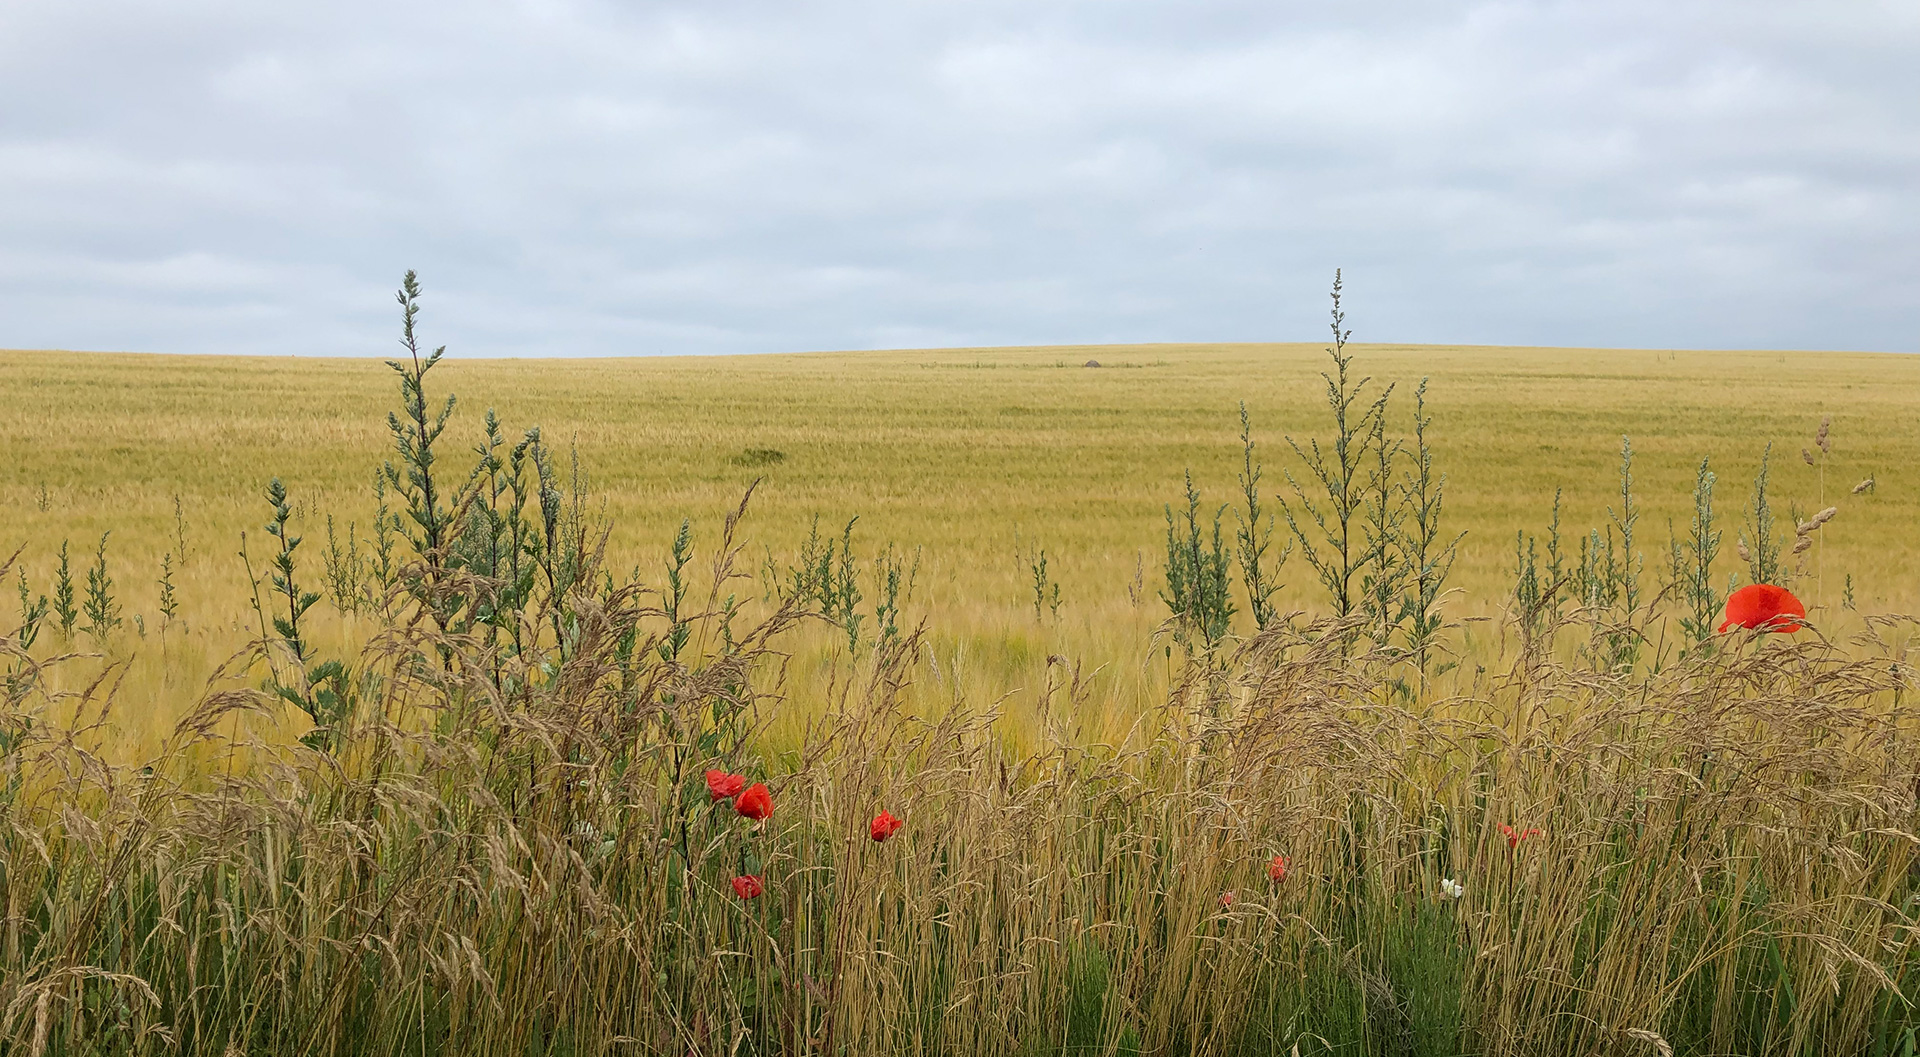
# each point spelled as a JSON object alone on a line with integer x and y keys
{"x": 1333, "y": 505}
{"x": 1255, "y": 535}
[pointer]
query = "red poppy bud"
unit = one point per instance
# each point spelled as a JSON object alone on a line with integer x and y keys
{"x": 1277, "y": 869}
{"x": 1764, "y": 607}
{"x": 724, "y": 786}
{"x": 756, "y": 803}
{"x": 747, "y": 886}
{"x": 884, "y": 825}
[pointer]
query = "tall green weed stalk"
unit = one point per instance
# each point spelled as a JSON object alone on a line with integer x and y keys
{"x": 1326, "y": 515}
{"x": 101, "y": 608}
{"x": 1429, "y": 551}
{"x": 1198, "y": 591}
{"x": 1693, "y": 556}
{"x": 1254, "y": 539}
{"x": 533, "y": 827}
{"x": 1761, "y": 545}
{"x": 65, "y": 611}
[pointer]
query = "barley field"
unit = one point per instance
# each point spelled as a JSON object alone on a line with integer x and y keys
{"x": 973, "y": 460}
{"x": 1011, "y": 765}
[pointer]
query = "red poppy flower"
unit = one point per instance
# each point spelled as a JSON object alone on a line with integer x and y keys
{"x": 1515, "y": 836}
{"x": 724, "y": 786}
{"x": 1277, "y": 869}
{"x": 1765, "y": 607}
{"x": 756, "y": 803}
{"x": 747, "y": 886}
{"x": 1226, "y": 898}
{"x": 884, "y": 825}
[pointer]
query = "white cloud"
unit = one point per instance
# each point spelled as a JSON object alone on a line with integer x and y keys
{"x": 601, "y": 178}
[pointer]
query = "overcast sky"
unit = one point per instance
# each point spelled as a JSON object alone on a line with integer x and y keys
{"x": 581, "y": 178}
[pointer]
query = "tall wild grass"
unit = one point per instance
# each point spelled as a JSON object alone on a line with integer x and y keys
{"x": 1624, "y": 833}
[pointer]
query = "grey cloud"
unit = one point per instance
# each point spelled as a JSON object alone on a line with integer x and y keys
{"x": 600, "y": 178}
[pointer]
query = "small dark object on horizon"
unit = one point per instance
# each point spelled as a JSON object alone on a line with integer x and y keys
{"x": 1093, "y": 363}
{"x": 760, "y": 457}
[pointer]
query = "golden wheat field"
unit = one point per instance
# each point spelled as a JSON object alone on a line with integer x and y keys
{"x": 972, "y": 460}
{"x": 703, "y": 790}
